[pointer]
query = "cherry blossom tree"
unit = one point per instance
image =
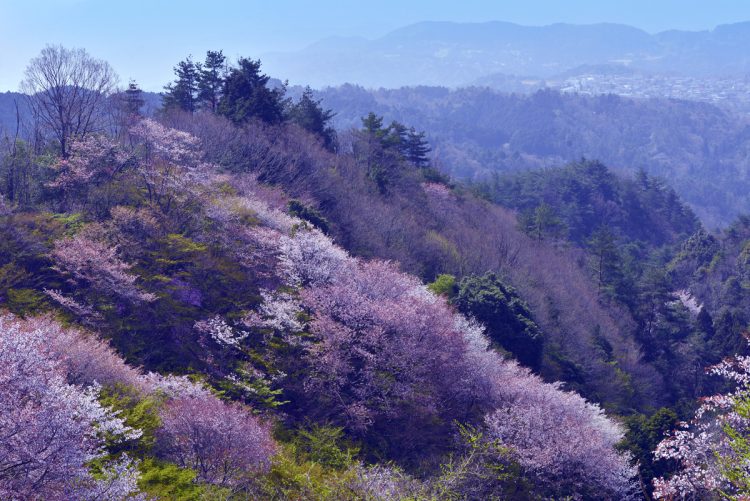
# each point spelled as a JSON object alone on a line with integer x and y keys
{"x": 220, "y": 331}
{"x": 712, "y": 449}
{"x": 83, "y": 358}
{"x": 85, "y": 179}
{"x": 49, "y": 429}
{"x": 92, "y": 159}
{"x": 224, "y": 443}
{"x": 169, "y": 164}
{"x": 97, "y": 265}
{"x": 390, "y": 355}
{"x": 561, "y": 441}
{"x": 309, "y": 258}
{"x": 383, "y": 351}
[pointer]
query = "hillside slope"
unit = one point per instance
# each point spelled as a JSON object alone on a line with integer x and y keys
{"x": 190, "y": 269}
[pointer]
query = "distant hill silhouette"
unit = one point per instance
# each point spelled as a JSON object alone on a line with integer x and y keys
{"x": 453, "y": 54}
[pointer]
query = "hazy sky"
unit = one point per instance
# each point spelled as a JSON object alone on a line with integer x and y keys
{"x": 144, "y": 39}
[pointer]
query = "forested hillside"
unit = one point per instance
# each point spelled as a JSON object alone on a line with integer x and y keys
{"x": 476, "y": 132}
{"x": 232, "y": 300}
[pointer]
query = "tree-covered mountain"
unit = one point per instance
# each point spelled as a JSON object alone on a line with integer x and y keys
{"x": 233, "y": 300}
{"x": 475, "y": 132}
{"x": 191, "y": 267}
{"x": 573, "y": 201}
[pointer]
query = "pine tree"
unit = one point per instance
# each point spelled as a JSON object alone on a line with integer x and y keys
{"x": 396, "y": 138}
{"x": 246, "y": 95}
{"x": 373, "y": 125}
{"x": 606, "y": 260}
{"x": 211, "y": 80}
{"x": 417, "y": 148}
{"x": 310, "y": 115}
{"x": 541, "y": 222}
{"x": 183, "y": 92}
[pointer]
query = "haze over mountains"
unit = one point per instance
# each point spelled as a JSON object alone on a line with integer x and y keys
{"x": 456, "y": 54}
{"x": 701, "y": 149}
{"x": 475, "y": 133}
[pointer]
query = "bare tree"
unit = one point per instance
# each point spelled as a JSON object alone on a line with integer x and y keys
{"x": 67, "y": 91}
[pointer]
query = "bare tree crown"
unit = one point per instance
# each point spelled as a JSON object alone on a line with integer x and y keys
{"x": 68, "y": 92}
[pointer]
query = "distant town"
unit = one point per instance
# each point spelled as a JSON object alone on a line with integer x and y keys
{"x": 733, "y": 93}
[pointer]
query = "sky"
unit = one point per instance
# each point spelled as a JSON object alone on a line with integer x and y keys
{"x": 142, "y": 39}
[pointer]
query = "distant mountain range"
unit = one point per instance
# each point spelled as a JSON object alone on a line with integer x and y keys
{"x": 456, "y": 54}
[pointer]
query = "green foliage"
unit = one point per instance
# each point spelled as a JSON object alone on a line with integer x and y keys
{"x": 168, "y": 481}
{"x": 485, "y": 469}
{"x": 607, "y": 265}
{"x": 695, "y": 255}
{"x": 585, "y": 196}
{"x": 642, "y": 435}
{"x": 734, "y": 468}
{"x": 182, "y": 93}
{"x": 373, "y": 125}
{"x": 25, "y": 267}
{"x": 22, "y": 173}
{"x": 290, "y": 478}
{"x": 25, "y": 302}
{"x": 246, "y": 95}
{"x": 309, "y": 214}
{"x": 444, "y": 285}
{"x": 416, "y": 148}
{"x": 211, "y": 79}
{"x": 326, "y": 446}
{"x": 410, "y": 145}
{"x": 139, "y": 412}
{"x": 507, "y": 318}
{"x": 253, "y": 387}
{"x": 541, "y": 222}
{"x": 310, "y": 115}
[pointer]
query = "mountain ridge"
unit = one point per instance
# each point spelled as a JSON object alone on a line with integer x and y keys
{"x": 455, "y": 54}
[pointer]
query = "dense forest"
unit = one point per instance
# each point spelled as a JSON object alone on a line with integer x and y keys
{"x": 232, "y": 299}
{"x": 475, "y": 132}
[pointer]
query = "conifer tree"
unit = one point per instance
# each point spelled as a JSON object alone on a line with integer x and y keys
{"x": 211, "y": 80}
{"x": 606, "y": 260}
{"x": 417, "y": 148}
{"x": 246, "y": 95}
{"x": 310, "y": 115}
{"x": 372, "y": 124}
{"x": 396, "y": 138}
{"x": 183, "y": 92}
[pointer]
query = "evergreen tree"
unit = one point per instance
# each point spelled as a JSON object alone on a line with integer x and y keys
{"x": 507, "y": 318}
{"x": 542, "y": 222}
{"x": 642, "y": 436}
{"x": 372, "y": 125}
{"x": 606, "y": 260}
{"x": 417, "y": 148}
{"x": 395, "y": 138}
{"x": 310, "y": 115}
{"x": 246, "y": 95}
{"x": 183, "y": 92}
{"x": 211, "y": 80}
